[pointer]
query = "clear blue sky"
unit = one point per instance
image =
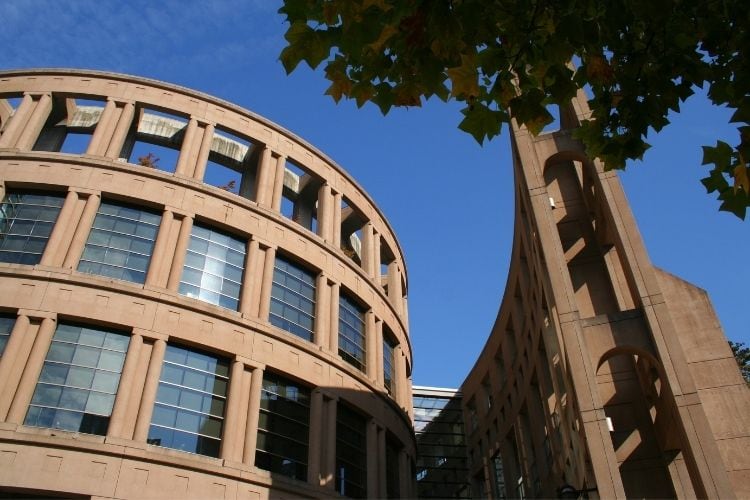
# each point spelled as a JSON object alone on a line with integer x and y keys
{"x": 408, "y": 161}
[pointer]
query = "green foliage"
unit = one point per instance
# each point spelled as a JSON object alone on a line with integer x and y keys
{"x": 639, "y": 60}
{"x": 742, "y": 355}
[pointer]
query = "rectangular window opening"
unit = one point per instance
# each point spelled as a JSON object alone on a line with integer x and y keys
{"x": 352, "y": 332}
{"x": 6, "y": 326}
{"x": 351, "y": 452}
{"x": 26, "y": 222}
{"x": 293, "y": 298}
{"x": 157, "y": 141}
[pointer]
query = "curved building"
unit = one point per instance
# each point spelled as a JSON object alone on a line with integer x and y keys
{"x": 194, "y": 302}
{"x": 603, "y": 376}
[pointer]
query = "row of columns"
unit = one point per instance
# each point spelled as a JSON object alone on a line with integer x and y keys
{"x": 115, "y": 125}
{"x": 28, "y": 344}
{"x": 70, "y": 233}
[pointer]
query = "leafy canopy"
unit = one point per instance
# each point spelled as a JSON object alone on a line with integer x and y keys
{"x": 639, "y": 59}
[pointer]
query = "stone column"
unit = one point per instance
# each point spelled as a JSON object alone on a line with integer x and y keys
{"x": 248, "y": 296}
{"x": 370, "y": 347}
{"x": 317, "y": 431}
{"x": 184, "y": 166}
{"x": 264, "y": 179}
{"x": 159, "y": 256}
{"x": 378, "y": 334}
{"x": 123, "y": 398}
{"x": 333, "y": 342}
{"x": 278, "y": 183}
{"x": 148, "y": 396}
{"x": 399, "y": 362}
{"x": 103, "y": 129}
{"x": 373, "y": 459}
{"x": 17, "y": 122}
{"x": 31, "y": 371}
{"x": 14, "y": 352}
{"x": 178, "y": 261}
{"x": 114, "y": 149}
{"x": 405, "y": 480}
{"x": 35, "y": 123}
{"x": 81, "y": 233}
{"x": 205, "y": 148}
{"x": 376, "y": 258}
{"x": 368, "y": 250}
{"x": 336, "y": 241}
{"x": 58, "y": 238}
{"x": 395, "y": 292}
{"x": 232, "y": 432}
{"x": 325, "y": 212}
{"x": 266, "y": 284}
{"x": 253, "y": 415}
{"x": 322, "y": 311}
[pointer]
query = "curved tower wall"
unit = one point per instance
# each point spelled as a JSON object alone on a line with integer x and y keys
{"x": 603, "y": 374}
{"x": 247, "y": 294}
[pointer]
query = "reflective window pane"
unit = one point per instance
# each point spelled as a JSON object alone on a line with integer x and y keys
{"x": 351, "y": 332}
{"x": 6, "y": 326}
{"x": 213, "y": 267}
{"x": 120, "y": 243}
{"x": 74, "y": 393}
{"x": 293, "y": 298}
{"x": 26, "y": 221}
{"x": 190, "y": 401}
{"x": 351, "y": 453}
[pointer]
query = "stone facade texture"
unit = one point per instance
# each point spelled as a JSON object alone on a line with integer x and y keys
{"x": 300, "y": 299}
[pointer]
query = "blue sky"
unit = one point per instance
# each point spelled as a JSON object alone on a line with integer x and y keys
{"x": 413, "y": 162}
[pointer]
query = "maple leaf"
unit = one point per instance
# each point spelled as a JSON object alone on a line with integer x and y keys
{"x": 464, "y": 78}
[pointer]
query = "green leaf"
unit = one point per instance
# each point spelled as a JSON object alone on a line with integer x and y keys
{"x": 482, "y": 122}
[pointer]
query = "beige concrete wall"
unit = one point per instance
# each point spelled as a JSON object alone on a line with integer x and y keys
{"x": 121, "y": 464}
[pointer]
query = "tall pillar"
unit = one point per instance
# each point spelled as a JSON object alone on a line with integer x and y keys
{"x": 404, "y": 478}
{"x": 264, "y": 179}
{"x": 124, "y": 389}
{"x": 368, "y": 249}
{"x": 315, "y": 455}
{"x": 376, "y": 258}
{"x": 382, "y": 464}
{"x": 250, "y": 280}
{"x": 333, "y": 339}
{"x": 278, "y": 183}
{"x": 124, "y": 122}
{"x": 266, "y": 284}
{"x": 395, "y": 293}
{"x": 336, "y": 241}
{"x": 322, "y": 311}
{"x": 31, "y": 371}
{"x": 17, "y": 122}
{"x": 233, "y": 432}
{"x": 184, "y": 161}
{"x": 159, "y": 255}
{"x": 253, "y": 416}
{"x": 371, "y": 349}
{"x": 178, "y": 261}
{"x": 58, "y": 238}
{"x": 35, "y": 123}
{"x": 13, "y": 353}
{"x": 81, "y": 233}
{"x": 103, "y": 130}
{"x": 148, "y": 396}
{"x": 378, "y": 334}
{"x": 205, "y": 148}
{"x": 399, "y": 361}
{"x": 325, "y": 212}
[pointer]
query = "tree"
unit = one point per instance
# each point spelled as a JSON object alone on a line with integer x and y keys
{"x": 150, "y": 161}
{"x": 638, "y": 59}
{"x": 742, "y": 355}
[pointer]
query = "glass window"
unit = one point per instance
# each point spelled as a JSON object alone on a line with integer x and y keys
{"x": 26, "y": 221}
{"x": 121, "y": 242}
{"x": 389, "y": 373}
{"x": 293, "y": 298}
{"x": 351, "y": 332}
{"x": 283, "y": 427}
{"x": 189, "y": 408}
{"x": 351, "y": 453}
{"x": 392, "y": 479}
{"x": 76, "y": 389}
{"x": 6, "y": 326}
{"x": 213, "y": 267}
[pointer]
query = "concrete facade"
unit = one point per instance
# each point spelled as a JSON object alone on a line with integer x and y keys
{"x": 280, "y": 202}
{"x": 603, "y": 374}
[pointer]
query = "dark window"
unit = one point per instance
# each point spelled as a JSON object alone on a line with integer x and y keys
{"x": 79, "y": 380}
{"x": 283, "y": 427}
{"x": 351, "y": 332}
{"x": 213, "y": 267}
{"x": 293, "y": 298}
{"x": 121, "y": 242}
{"x": 189, "y": 408}
{"x": 6, "y": 326}
{"x": 389, "y": 374}
{"x": 351, "y": 453}
{"x": 26, "y": 221}
{"x": 392, "y": 477}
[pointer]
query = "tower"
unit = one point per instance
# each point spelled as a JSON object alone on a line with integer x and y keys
{"x": 603, "y": 374}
